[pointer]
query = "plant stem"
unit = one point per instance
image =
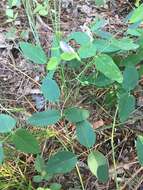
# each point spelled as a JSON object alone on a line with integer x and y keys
{"x": 113, "y": 149}
{"x": 80, "y": 178}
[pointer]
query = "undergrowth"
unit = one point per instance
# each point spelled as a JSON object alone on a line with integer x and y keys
{"x": 100, "y": 67}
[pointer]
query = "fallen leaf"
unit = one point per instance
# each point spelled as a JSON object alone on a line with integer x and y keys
{"x": 98, "y": 124}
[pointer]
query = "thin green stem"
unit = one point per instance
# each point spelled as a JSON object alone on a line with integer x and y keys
{"x": 80, "y": 178}
{"x": 113, "y": 148}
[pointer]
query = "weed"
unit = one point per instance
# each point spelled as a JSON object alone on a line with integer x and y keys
{"x": 103, "y": 61}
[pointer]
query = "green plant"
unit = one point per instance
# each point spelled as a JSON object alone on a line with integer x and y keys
{"x": 112, "y": 64}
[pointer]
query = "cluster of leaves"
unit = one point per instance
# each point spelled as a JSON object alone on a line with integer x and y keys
{"x": 113, "y": 62}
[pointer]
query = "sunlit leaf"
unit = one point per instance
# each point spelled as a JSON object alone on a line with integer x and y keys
{"x": 105, "y": 64}
{"x": 98, "y": 164}
{"x": 137, "y": 14}
{"x": 52, "y": 63}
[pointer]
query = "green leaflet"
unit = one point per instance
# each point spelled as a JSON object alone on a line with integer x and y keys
{"x": 52, "y": 64}
{"x": 133, "y": 59}
{"x": 7, "y": 123}
{"x": 130, "y": 78}
{"x": 137, "y": 14}
{"x": 139, "y": 149}
{"x": 80, "y": 37}
{"x": 126, "y": 106}
{"x": 50, "y": 90}
{"x": 66, "y": 56}
{"x": 61, "y": 162}
{"x": 105, "y": 64}
{"x": 33, "y": 52}
{"x": 125, "y": 44}
{"x": 105, "y": 46}
{"x": 87, "y": 51}
{"x": 75, "y": 114}
{"x": 43, "y": 119}
{"x": 25, "y": 142}
{"x": 98, "y": 164}
{"x": 85, "y": 134}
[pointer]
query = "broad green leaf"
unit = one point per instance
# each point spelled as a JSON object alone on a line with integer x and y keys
{"x": 66, "y": 56}
{"x": 106, "y": 65}
{"x": 126, "y": 106}
{"x": 87, "y": 51}
{"x": 7, "y": 123}
{"x": 137, "y": 14}
{"x": 25, "y": 142}
{"x": 85, "y": 134}
{"x": 105, "y": 46}
{"x": 98, "y": 164}
{"x": 139, "y": 149}
{"x": 134, "y": 32}
{"x": 33, "y": 52}
{"x": 61, "y": 162}
{"x": 43, "y": 119}
{"x": 99, "y": 80}
{"x": 1, "y": 154}
{"x": 130, "y": 78}
{"x": 80, "y": 37}
{"x": 75, "y": 114}
{"x": 50, "y": 90}
{"x": 39, "y": 164}
{"x": 133, "y": 59}
{"x": 97, "y": 24}
{"x": 124, "y": 44}
{"x": 52, "y": 63}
